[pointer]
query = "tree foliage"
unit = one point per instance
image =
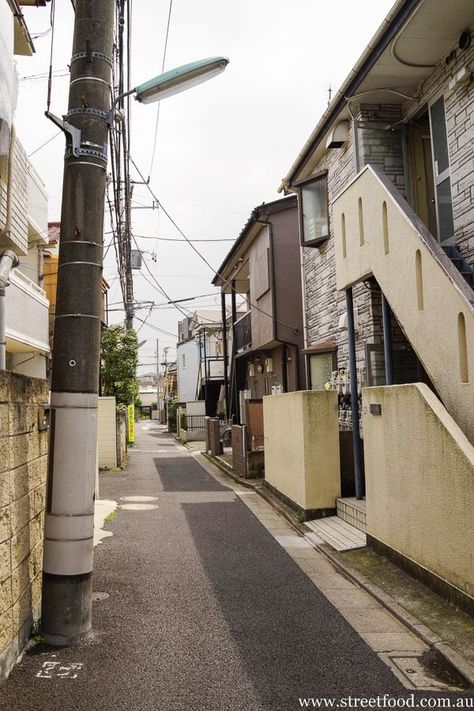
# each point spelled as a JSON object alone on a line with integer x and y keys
{"x": 119, "y": 360}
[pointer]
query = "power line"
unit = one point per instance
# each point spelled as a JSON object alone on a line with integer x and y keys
{"x": 157, "y": 328}
{"x": 159, "y": 103}
{"x": 202, "y": 257}
{"x": 43, "y": 144}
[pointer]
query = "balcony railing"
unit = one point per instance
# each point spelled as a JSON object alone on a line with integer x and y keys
{"x": 243, "y": 332}
{"x": 26, "y": 314}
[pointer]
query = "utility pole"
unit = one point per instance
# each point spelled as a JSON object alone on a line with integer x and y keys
{"x": 69, "y": 526}
{"x": 158, "y": 380}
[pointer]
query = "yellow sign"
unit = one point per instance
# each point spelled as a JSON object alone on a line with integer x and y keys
{"x": 131, "y": 423}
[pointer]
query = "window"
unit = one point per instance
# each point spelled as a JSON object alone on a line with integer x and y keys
{"x": 183, "y": 360}
{"x": 321, "y": 366}
{"x": 314, "y": 211}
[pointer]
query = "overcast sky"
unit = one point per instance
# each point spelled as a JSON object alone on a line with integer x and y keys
{"x": 222, "y": 147}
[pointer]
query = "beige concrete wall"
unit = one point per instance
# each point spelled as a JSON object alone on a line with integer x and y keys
{"x": 106, "y": 433}
{"x": 23, "y": 468}
{"x": 302, "y": 447}
{"x": 427, "y": 300}
{"x": 420, "y": 481}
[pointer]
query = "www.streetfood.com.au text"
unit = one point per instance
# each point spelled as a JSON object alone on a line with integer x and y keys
{"x": 386, "y": 701}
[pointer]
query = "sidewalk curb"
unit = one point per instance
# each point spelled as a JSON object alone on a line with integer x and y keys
{"x": 462, "y": 666}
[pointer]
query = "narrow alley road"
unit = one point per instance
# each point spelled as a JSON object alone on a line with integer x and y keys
{"x": 204, "y": 609}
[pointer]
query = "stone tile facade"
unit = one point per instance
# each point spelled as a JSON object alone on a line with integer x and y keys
{"x": 459, "y": 106}
{"x": 23, "y": 467}
{"x": 388, "y": 149}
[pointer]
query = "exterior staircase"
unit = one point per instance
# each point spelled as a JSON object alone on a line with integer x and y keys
{"x": 463, "y": 267}
{"x": 429, "y": 288}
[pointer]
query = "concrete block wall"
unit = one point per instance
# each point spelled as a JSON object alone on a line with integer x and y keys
{"x": 239, "y": 450}
{"x": 23, "y": 469}
{"x": 121, "y": 432}
{"x": 214, "y": 437}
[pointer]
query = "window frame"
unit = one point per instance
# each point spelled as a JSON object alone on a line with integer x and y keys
{"x": 300, "y": 185}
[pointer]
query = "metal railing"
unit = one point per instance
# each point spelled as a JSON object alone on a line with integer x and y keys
{"x": 195, "y": 422}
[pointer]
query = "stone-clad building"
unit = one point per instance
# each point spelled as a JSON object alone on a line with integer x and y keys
{"x": 385, "y": 187}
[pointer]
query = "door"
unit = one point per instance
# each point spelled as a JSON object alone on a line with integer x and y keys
{"x": 423, "y": 183}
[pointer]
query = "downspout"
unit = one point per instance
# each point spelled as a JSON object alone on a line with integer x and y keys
{"x": 8, "y": 261}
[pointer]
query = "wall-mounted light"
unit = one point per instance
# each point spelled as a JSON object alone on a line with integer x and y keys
{"x": 339, "y": 135}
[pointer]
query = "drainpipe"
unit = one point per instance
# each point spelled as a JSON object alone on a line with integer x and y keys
{"x": 356, "y": 443}
{"x": 8, "y": 261}
{"x": 224, "y": 354}
{"x": 236, "y": 403}
{"x": 387, "y": 340}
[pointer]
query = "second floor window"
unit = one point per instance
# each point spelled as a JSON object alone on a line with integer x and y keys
{"x": 314, "y": 212}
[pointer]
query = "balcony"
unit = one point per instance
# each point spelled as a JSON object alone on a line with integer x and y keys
{"x": 26, "y": 316}
{"x": 243, "y": 332}
{"x": 37, "y": 207}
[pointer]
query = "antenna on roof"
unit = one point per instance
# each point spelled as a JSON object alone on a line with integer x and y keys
{"x": 329, "y": 94}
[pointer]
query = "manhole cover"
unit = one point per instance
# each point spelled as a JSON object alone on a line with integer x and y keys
{"x": 139, "y": 507}
{"x": 99, "y": 596}
{"x": 139, "y": 498}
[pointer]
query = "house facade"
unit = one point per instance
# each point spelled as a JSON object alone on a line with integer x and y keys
{"x": 385, "y": 188}
{"x": 200, "y": 360}
{"x": 23, "y": 215}
{"x": 262, "y": 276}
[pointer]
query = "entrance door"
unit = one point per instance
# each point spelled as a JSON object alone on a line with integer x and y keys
{"x": 423, "y": 182}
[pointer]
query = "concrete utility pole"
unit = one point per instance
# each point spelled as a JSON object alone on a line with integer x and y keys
{"x": 69, "y": 527}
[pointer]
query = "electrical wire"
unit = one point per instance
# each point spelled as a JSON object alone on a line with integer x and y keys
{"x": 43, "y": 144}
{"x": 50, "y": 77}
{"x": 157, "y": 328}
{"x": 159, "y": 103}
{"x": 203, "y": 258}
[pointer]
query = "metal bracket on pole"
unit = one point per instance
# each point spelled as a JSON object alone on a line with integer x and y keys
{"x": 74, "y": 146}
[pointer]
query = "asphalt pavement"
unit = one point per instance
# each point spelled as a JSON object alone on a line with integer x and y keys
{"x": 197, "y": 607}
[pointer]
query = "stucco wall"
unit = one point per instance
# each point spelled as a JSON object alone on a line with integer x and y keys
{"x": 23, "y": 467}
{"x": 420, "y": 482}
{"x": 434, "y": 297}
{"x": 302, "y": 447}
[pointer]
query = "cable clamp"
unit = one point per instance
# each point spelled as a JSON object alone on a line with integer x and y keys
{"x": 90, "y": 56}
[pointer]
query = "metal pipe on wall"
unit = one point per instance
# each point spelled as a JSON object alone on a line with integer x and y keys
{"x": 356, "y": 443}
{"x": 387, "y": 340}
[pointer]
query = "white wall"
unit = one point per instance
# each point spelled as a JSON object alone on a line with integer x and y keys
{"x": 187, "y": 373}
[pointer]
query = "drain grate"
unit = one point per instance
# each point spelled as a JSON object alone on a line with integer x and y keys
{"x": 427, "y": 671}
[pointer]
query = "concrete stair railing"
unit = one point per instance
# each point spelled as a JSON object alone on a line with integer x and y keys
{"x": 378, "y": 234}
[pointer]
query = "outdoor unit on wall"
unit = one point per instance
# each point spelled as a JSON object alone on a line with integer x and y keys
{"x": 269, "y": 365}
{"x": 277, "y": 389}
{"x": 251, "y": 370}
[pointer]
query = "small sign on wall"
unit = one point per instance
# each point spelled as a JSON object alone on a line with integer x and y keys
{"x": 131, "y": 423}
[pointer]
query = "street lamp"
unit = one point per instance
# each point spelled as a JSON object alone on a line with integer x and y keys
{"x": 179, "y": 79}
{"x": 160, "y": 87}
